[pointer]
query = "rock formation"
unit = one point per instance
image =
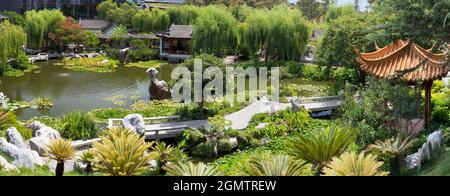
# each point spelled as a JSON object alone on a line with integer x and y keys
{"x": 3, "y": 104}
{"x": 134, "y": 122}
{"x": 158, "y": 89}
{"x": 123, "y": 56}
{"x": 42, "y": 136}
{"x": 6, "y": 166}
{"x": 433, "y": 146}
{"x": 21, "y": 154}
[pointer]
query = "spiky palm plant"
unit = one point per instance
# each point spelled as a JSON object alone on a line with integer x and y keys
{"x": 6, "y": 119}
{"x": 189, "y": 169}
{"x": 60, "y": 150}
{"x": 275, "y": 166}
{"x": 352, "y": 164}
{"x": 121, "y": 153}
{"x": 162, "y": 153}
{"x": 395, "y": 148}
{"x": 320, "y": 148}
{"x": 87, "y": 157}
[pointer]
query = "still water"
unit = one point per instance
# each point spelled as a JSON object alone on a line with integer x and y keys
{"x": 70, "y": 90}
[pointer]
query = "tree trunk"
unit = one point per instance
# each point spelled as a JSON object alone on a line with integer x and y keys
{"x": 427, "y": 109}
{"x": 394, "y": 164}
{"x": 59, "y": 171}
{"x": 88, "y": 169}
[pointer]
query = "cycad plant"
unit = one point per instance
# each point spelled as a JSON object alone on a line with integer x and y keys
{"x": 60, "y": 150}
{"x": 189, "y": 169}
{"x": 320, "y": 148}
{"x": 162, "y": 153}
{"x": 275, "y": 166}
{"x": 352, "y": 164}
{"x": 87, "y": 157}
{"x": 121, "y": 153}
{"x": 395, "y": 148}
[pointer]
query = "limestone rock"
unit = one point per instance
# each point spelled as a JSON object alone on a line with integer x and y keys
{"x": 42, "y": 130}
{"x": 39, "y": 144}
{"x": 22, "y": 157}
{"x": 134, "y": 122}
{"x": 15, "y": 138}
{"x": 158, "y": 89}
{"x": 3, "y": 104}
{"x": 6, "y": 166}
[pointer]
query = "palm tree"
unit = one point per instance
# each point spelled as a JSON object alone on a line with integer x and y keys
{"x": 352, "y": 164}
{"x": 395, "y": 148}
{"x": 87, "y": 157}
{"x": 121, "y": 153}
{"x": 162, "y": 153}
{"x": 190, "y": 169}
{"x": 320, "y": 148}
{"x": 60, "y": 150}
{"x": 275, "y": 166}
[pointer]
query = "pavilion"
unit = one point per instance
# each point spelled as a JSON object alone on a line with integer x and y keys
{"x": 409, "y": 62}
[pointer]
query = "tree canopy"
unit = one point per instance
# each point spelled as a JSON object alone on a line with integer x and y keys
{"x": 11, "y": 42}
{"x": 39, "y": 24}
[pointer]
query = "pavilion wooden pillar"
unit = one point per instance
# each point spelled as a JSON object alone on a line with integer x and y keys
{"x": 427, "y": 109}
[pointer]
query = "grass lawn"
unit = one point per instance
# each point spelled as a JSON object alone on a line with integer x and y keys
{"x": 440, "y": 167}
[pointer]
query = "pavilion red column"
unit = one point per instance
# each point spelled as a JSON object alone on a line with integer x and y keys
{"x": 427, "y": 109}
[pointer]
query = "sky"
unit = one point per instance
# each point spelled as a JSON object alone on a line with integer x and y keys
{"x": 363, "y": 3}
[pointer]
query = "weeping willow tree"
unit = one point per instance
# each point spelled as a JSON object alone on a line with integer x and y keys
{"x": 281, "y": 33}
{"x": 11, "y": 41}
{"x": 216, "y": 31}
{"x": 151, "y": 21}
{"x": 183, "y": 15}
{"x": 39, "y": 24}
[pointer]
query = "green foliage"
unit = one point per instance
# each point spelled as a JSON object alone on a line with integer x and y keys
{"x": 122, "y": 14}
{"x": 440, "y": 103}
{"x": 155, "y": 20}
{"x": 312, "y": 9}
{"x": 322, "y": 146}
{"x": 394, "y": 147}
{"x": 42, "y": 103}
{"x": 438, "y": 167}
{"x": 218, "y": 124}
{"x": 121, "y": 153}
{"x": 206, "y": 150}
{"x": 104, "y": 7}
{"x": 334, "y": 12}
{"x": 216, "y": 31}
{"x": 8, "y": 119}
{"x": 77, "y": 125}
{"x": 12, "y": 39}
{"x": 351, "y": 164}
{"x": 96, "y": 64}
{"x": 281, "y": 32}
{"x": 39, "y": 25}
{"x": 191, "y": 138}
{"x": 166, "y": 154}
{"x": 190, "y": 169}
{"x": 60, "y": 150}
{"x": 370, "y": 114}
{"x": 278, "y": 165}
{"x": 14, "y": 18}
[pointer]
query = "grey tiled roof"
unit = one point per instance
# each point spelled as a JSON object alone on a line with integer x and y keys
{"x": 179, "y": 31}
{"x": 94, "y": 24}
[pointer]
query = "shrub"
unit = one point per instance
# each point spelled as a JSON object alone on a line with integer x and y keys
{"x": 121, "y": 153}
{"x": 279, "y": 165}
{"x": 60, "y": 150}
{"x": 314, "y": 72}
{"x": 224, "y": 146}
{"x": 190, "y": 169}
{"x": 21, "y": 62}
{"x": 206, "y": 150}
{"x": 77, "y": 125}
{"x": 351, "y": 164}
{"x": 191, "y": 138}
{"x": 42, "y": 103}
{"x": 322, "y": 146}
{"x": 8, "y": 119}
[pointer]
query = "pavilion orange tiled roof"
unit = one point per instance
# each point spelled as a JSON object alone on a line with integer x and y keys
{"x": 400, "y": 56}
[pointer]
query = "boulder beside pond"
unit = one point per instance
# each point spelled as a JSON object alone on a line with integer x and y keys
{"x": 134, "y": 122}
{"x": 23, "y": 157}
{"x": 42, "y": 136}
{"x": 15, "y": 138}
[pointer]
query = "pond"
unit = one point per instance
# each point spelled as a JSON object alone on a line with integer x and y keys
{"x": 85, "y": 91}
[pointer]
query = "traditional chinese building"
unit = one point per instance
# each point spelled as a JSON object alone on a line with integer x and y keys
{"x": 2, "y": 18}
{"x": 175, "y": 44}
{"x": 409, "y": 62}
